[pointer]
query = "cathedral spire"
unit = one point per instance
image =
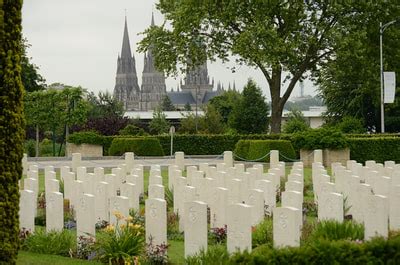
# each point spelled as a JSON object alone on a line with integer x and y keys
{"x": 126, "y": 49}
{"x": 152, "y": 19}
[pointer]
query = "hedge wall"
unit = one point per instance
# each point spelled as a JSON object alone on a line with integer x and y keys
{"x": 255, "y": 149}
{"x": 140, "y": 146}
{"x": 378, "y": 149}
{"x": 12, "y": 126}
{"x": 376, "y": 251}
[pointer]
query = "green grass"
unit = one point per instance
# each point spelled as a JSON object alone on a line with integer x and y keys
{"x": 175, "y": 252}
{"x": 29, "y": 258}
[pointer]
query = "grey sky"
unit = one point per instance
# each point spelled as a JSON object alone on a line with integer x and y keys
{"x": 76, "y": 42}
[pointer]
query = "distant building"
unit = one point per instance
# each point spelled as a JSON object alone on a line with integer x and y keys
{"x": 195, "y": 91}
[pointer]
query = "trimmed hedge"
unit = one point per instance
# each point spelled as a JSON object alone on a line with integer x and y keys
{"x": 376, "y": 251}
{"x": 140, "y": 146}
{"x": 322, "y": 138}
{"x": 89, "y": 137}
{"x": 255, "y": 149}
{"x": 378, "y": 149}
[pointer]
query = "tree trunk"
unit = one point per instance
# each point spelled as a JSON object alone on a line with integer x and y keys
{"x": 37, "y": 141}
{"x": 276, "y": 100}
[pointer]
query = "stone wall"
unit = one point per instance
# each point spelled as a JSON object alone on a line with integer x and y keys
{"x": 86, "y": 150}
{"x": 329, "y": 157}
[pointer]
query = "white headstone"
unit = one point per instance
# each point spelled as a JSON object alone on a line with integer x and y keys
{"x": 101, "y": 196}
{"x": 27, "y": 206}
{"x": 81, "y": 173}
{"x": 318, "y": 156}
{"x": 218, "y": 207}
{"x": 180, "y": 160}
{"x": 286, "y": 229}
{"x": 129, "y": 160}
{"x": 156, "y": 191}
{"x": 239, "y": 228}
{"x": 195, "y": 227}
{"x": 256, "y": 200}
{"x": 274, "y": 158}
{"x": 330, "y": 206}
{"x": 99, "y": 173}
{"x": 228, "y": 158}
{"x": 131, "y": 191}
{"x": 54, "y": 211}
{"x": 156, "y": 221}
{"x": 76, "y": 161}
{"x": 25, "y": 165}
{"x": 376, "y": 217}
{"x": 394, "y": 208}
{"x": 86, "y": 216}
{"x": 269, "y": 193}
{"x": 118, "y": 205}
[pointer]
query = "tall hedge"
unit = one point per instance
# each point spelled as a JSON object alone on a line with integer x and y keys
{"x": 378, "y": 149}
{"x": 140, "y": 146}
{"x": 11, "y": 127}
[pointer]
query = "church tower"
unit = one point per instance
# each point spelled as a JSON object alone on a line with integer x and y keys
{"x": 153, "y": 82}
{"x": 126, "y": 88}
{"x": 197, "y": 82}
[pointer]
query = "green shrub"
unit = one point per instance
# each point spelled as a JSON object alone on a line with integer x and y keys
{"x": 120, "y": 244}
{"x": 333, "y": 231}
{"x": 29, "y": 148}
{"x": 89, "y": 137}
{"x": 262, "y": 233}
{"x": 131, "y": 129}
{"x": 376, "y": 251}
{"x": 216, "y": 254}
{"x": 57, "y": 243}
{"x": 351, "y": 125}
{"x": 375, "y": 148}
{"x": 146, "y": 146}
{"x": 46, "y": 148}
{"x": 295, "y": 125}
{"x": 257, "y": 149}
{"x": 322, "y": 138}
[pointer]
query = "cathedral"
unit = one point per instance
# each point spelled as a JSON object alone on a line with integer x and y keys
{"x": 195, "y": 91}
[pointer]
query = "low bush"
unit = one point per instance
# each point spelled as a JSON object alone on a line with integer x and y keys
{"x": 89, "y": 137}
{"x": 29, "y": 148}
{"x": 333, "y": 231}
{"x": 262, "y": 233}
{"x": 379, "y": 149}
{"x": 146, "y": 146}
{"x": 257, "y": 149}
{"x": 322, "y": 138}
{"x": 216, "y": 254}
{"x": 57, "y": 243}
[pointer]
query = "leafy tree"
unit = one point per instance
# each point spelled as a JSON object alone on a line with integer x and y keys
{"x": 188, "y": 124}
{"x": 211, "y": 122}
{"x": 166, "y": 104}
{"x": 55, "y": 110}
{"x": 296, "y": 122}
{"x": 351, "y": 125}
{"x": 350, "y": 82}
{"x": 284, "y": 39}
{"x": 250, "y": 115}
{"x": 104, "y": 105}
{"x": 131, "y": 129}
{"x": 187, "y": 107}
{"x": 159, "y": 123}
{"x": 11, "y": 128}
{"x": 31, "y": 79}
{"x": 225, "y": 103}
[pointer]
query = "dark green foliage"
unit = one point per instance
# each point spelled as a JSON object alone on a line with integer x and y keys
{"x": 351, "y": 125}
{"x": 58, "y": 243}
{"x": 295, "y": 122}
{"x": 146, "y": 146}
{"x": 216, "y": 254}
{"x": 225, "y": 103}
{"x": 31, "y": 79}
{"x": 11, "y": 127}
{"x": 262, "y": 233}
{"x": 131, "y": 129}
{"x": 250, "y": 114}
{"x": 29, "y": 148}
{"x": 89, "y": 137}
{"x": 159, "y": 123}
{"x": 257, "y": 149}
{"x": 376, "y": 251}
{"x": 166, "y": 104}
{"x": 322, "y": 138}
{"x": 379, "y": 149}
{"x": 333, "y": 231}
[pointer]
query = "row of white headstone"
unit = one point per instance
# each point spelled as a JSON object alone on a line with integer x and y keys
{"x": 236, "y": 197}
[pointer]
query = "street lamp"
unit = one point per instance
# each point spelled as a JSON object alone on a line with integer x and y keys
{"x": 381, "y": 30}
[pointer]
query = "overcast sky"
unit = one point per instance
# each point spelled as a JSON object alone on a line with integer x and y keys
{"x": 76, "y": 42}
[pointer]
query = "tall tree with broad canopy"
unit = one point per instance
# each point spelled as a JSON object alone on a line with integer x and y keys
{"x": 11, "y": 127}
{"x": 283, "y": 39}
